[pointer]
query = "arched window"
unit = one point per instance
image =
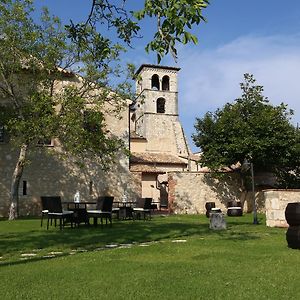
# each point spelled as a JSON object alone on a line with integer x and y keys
{"x": 155, "y": 82}
{"x": 166, "y": 83}
{"x": 160, "y": 105}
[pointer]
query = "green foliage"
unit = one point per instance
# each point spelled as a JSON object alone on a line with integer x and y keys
{"x": 34, "y": 59}
{"x": 174, "y": 20}
{"x": 249, "y": 128}
{"x": 83, "y": 129}
{"x": 40, "y": 95}
{"x": 289, "y": 174}
{"x": 46, "y": 84}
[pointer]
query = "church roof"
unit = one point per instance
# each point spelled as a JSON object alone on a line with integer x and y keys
{"x": 192, "y": 156}
{"x": 147, "y": 169}
{"x": 156, "y": 67}
{"x": 155, "y": 158}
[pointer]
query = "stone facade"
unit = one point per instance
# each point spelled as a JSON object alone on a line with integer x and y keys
{"x": 275, "y": 203}
{"x": 157, "y": 130}
{"x": 159, "y": 126}
{"x": 161, "y": 146}
{"x": 189, "y": 191}
{"x": 159, "y": 166}
{"x": 163, "y": 133}
{"x": 47, "y": 174}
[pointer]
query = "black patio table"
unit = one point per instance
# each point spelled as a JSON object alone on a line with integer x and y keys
{"x": 125, "y": 209}
{"x": 80, "y": 211}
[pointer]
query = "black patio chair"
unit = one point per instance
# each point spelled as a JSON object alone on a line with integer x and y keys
{"x": 103, "y": 210}
{"x": 45, "y": 207}
{"x": 55, "y": 212}
{"x": 143, "y": 207}
{"x": 116, "y": 209}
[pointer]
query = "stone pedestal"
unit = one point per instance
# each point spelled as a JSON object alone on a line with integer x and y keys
{"x": 217, "y": 221}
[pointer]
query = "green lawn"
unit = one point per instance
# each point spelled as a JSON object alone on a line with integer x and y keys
{"x": 174, "y": 257}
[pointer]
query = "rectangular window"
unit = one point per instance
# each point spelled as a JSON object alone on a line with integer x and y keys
{"x": 45, "y": 142}
{"x": 91, "y": 188}
{"x": 24, "y": 188}
{"x": 1, "y": 133}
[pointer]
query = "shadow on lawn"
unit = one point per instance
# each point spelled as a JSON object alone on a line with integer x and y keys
{"x": 90, "y": 238}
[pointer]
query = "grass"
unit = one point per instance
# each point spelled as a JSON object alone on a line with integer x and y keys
{"x": 174, "y": 257}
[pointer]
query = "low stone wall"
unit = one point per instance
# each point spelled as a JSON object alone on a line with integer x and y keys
{"x": 189, "y": 191}
{"x": 276, "y": 202}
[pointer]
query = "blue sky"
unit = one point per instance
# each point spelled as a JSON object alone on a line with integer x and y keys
{"x": 261, "y": 37}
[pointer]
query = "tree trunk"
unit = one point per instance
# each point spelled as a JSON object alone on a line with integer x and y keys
{"x": 15, "y": 183}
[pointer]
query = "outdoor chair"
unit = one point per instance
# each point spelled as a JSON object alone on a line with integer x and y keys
{"x": 45, "y": 207}
{"x": 55, "y": 212}
{"x": 103, "y": 210}
{"x": 116, "y": 209}
{"x": 143, "y": 207}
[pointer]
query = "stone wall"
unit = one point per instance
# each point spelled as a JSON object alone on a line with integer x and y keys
{"x": 276, "y": 202}
{"x": 138, "y": 145}
{"x": 189, "y": 191}
{"x": 148, "y": 71}
{"x": 163, "y": 133}
{"x": 151, "y": 96}
{"x": 46, "y": 174}
{"x": 162, "y": 130}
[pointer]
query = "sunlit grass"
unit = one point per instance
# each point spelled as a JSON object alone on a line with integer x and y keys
{"x": 175, "y": 257}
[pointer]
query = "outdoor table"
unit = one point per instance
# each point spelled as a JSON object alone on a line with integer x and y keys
{"x": 155, "y": 205}
{"x": 125, "y": 209}
{"x": 79, "y": 211}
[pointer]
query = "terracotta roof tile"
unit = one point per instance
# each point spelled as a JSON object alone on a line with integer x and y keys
{"x": 146, "y": 169}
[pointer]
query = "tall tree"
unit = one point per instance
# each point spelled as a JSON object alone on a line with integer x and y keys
{"x": 288, "y": 175}
{"x": 42, "y": 98}
{"x": 249, "y": 128}
{"x": 36, "y": 57}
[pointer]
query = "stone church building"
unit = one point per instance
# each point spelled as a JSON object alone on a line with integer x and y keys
{"x": 157, "y": 141}
{"x": 160, "y": 164}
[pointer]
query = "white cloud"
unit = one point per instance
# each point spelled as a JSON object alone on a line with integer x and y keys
{"x": 208, "y": 79}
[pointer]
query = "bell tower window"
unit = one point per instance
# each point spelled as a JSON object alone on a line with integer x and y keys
{"x": 166, "y": 83}
{"x": 160, "y": 105}
{"x": 155, "y": 82}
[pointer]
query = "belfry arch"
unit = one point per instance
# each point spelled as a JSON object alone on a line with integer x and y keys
{"x": 155, "y": 82}
{"x": 166, "y": 83}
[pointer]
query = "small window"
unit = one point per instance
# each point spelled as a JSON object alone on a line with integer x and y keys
{"x": 166, "y": 83}
{"x": 91, "y": 188}
{"x": 155, "y": 82}
{"x": 24, "y": 188}
{"x": 160, "y": 105}
{"x": 44, "y": 142}
{"x": 1, "y": 133}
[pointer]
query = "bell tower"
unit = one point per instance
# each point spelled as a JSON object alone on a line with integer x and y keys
{"x": 156, "y": 109}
